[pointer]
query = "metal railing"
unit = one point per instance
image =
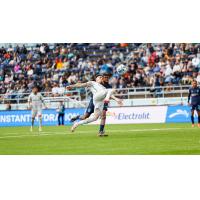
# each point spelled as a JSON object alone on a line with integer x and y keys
{"x": 151, "y": 92}
{"x": 17, "y": 98}
{"x": 125, "y": 93}
{"x": 80, "y": 98}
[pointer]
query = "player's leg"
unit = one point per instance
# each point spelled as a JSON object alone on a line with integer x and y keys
{"x": 33, "y": 115}
{"x": 192, "y": 115}
{"x": 63, "y": 116}
{"x": 89, "y": 111}
{"x": 103, "y": 120}
{"x": 93, "y": 117}
{"x": 59, "y": 115}
{"x": 105, "y": 108}
{"x": 40, "y": 119}
{"x": 198, "y": 113}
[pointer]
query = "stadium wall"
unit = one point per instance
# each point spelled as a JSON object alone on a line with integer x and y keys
{"x": 122, "y": 115}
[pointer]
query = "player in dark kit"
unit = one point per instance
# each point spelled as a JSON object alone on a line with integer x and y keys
{"x": 194, "y": 96}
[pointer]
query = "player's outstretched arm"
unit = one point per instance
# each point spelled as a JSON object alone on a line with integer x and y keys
{"x": 119, "y": 101}
{"x": 78, "y": 85}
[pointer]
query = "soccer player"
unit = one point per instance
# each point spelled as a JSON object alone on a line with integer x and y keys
{"x": 105, "y": 83}
{"x": 35, "y": 101}
{"x": 100, "y": 94}
{"x": 90, "y": 108}
{"x": 194, "y": 96}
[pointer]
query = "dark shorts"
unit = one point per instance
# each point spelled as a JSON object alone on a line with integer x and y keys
{"x": 90, "y": 108}
{"x": 105, "y": 106}
{"x": 195, "y": 107}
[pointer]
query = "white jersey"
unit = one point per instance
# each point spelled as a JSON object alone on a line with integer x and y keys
{"x": 95, "y": 87}
{"x": 36, "y": 101}
{"x": 99, "y": 93}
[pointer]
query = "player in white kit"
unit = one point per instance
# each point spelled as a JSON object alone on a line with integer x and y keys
{"x": 100, "y": 95}
{"x": 35, "y": 101}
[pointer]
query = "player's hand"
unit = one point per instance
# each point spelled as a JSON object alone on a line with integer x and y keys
{"x": 189, "y": 104}
{"x": 46, "y": 107}
{"x": 29, "y": 107}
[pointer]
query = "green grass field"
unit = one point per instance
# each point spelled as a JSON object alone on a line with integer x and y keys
{"x": 141, "y": 139}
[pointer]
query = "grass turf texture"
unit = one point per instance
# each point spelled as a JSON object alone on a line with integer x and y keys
{"x": 141, "y": 139}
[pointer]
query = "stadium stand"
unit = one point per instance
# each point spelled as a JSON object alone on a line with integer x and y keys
{"x": 153, "y": 68}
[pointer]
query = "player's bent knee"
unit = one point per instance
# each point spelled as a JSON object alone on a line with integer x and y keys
{"x": 103, "y": 117}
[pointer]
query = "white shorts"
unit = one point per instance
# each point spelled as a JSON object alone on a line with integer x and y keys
{"x": 36, "y": 112}
{"x": 98, "y": 105}
{"x": 100, "y": 96}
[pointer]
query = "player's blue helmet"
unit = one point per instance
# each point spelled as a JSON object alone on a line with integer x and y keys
{"x": 105, "y": 69}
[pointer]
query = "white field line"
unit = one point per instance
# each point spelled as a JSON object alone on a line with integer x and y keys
{"x": 45, "y": 133}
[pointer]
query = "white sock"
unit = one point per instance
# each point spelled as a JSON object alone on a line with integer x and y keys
{"x": 40, "y": 122}
{"x": 93, "y": 117}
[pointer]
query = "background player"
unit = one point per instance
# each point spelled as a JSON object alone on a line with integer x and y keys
{"x": 61, "y": 113}
{"x": 100, "y": 93}
{"x": 194, "y": 96}
{"x": 35, "y": 101}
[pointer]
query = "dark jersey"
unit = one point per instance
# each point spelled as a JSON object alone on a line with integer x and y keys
{"x": 107, "y": 85}
{"x": 194, "y": 96}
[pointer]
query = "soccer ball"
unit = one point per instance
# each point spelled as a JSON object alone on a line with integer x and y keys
{"x": 122, "y": 69}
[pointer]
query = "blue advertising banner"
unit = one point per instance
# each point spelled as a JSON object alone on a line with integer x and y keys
{"x": 178, "y": 114}
{"x": 23, "y": 117}
{"x": 157, "y": 114}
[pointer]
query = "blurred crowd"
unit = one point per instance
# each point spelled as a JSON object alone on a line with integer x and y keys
{"x": 54, "y": 66}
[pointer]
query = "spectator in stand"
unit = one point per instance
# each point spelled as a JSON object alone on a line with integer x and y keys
{"x": 168, "y": 73}
{"x": 196, "y": 62}
{"x": 55, "y": 90}
{"x": 198, "y": 78}
{"x": 71, "y": 62}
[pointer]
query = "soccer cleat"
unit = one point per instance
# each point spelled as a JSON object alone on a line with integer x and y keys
{"x": 73, "y": 119}
{"x": 102, "y": 134}
{"x": 192, "y": 125}
{"x": 31, "y": 129}
{"x": 40, "y": 129}
{"x": 74, "y": 127}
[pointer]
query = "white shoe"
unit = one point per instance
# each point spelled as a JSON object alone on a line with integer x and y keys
{"x": 74, "y": 127}
{"x": 31, "y": 129}
{"x": 40, "y": 129}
